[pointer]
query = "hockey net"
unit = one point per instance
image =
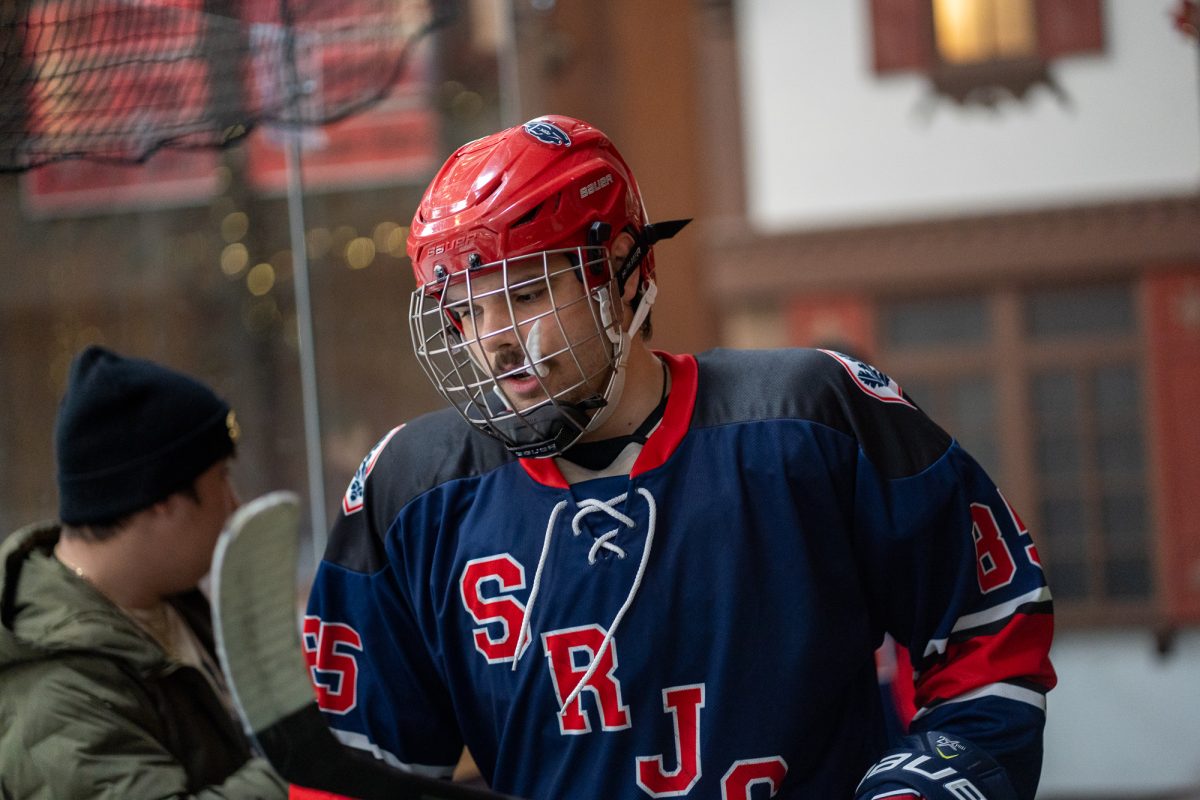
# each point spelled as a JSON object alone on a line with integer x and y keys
{"x": 117, "y": 80}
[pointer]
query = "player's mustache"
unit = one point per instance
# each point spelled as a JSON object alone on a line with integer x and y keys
{"x": 508, "y": 359}
{"x": 513, "y": 358}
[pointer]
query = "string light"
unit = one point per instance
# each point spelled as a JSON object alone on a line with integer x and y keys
{"x": 360, "y": 252}
{"x": 234, "y": 259}
{"x": 260, "y": 279}
{"x": 235, "y": 226}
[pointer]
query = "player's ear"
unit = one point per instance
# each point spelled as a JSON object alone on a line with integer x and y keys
{"x": 621, "y": 246}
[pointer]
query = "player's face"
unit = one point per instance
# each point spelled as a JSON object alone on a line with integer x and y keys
{"x": 535, "y": 328}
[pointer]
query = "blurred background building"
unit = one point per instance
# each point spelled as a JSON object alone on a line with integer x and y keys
{"x": 995, "y": 201}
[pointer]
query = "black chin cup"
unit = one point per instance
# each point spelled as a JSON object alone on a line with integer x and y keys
{"x": 542, "y": 432}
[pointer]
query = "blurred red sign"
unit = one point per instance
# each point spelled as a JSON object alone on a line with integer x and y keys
{"x": 394, "y": 140}
{"x": 153, "y": 67}
{"x": 118, "y": 75}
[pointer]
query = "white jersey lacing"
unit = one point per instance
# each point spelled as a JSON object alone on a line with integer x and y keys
{"x": 603, "y": 542}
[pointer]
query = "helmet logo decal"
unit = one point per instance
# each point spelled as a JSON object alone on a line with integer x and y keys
{"x": 547, "y": 132}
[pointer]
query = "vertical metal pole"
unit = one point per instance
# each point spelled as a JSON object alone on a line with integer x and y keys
{"x": 510, "y": 67}
{"x": 308, "y": 361}
{"x": 304, "y": 320}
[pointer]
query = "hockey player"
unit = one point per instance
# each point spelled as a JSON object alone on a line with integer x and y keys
{"x": 612, "y": 572}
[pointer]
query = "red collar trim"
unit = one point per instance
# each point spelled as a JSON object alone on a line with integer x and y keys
{"x": 546, "y": 472}
{"x": 677, "y": 417}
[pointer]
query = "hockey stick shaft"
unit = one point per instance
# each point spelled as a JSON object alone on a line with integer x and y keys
{"x": 291, "y": 743}
{"x": 258, "y": 644}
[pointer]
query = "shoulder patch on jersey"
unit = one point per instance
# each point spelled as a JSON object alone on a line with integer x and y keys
{"x": 869, "y": 379}
{"x": 547, "y": 132}
{"x": 352, "y": 502}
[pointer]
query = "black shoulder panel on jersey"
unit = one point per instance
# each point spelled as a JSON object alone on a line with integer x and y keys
{"x": 802, "y": 384}
{"x": 427, "y": 452}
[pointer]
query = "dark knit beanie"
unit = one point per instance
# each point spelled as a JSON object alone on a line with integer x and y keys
{"x": 130, "y": 432}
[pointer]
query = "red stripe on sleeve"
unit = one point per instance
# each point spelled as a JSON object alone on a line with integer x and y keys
{"x": 1019, "y": 650}
{"x": 300, "y": 793}
{"x": 902, "y": 687}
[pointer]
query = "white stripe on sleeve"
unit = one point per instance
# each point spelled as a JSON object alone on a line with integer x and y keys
{"x": 1005, "y": 690}
{"x": 987, "y": 616}
{"x": 360, "y": 742}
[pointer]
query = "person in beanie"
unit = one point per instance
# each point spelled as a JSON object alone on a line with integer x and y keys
{"x": 108, "y": 682}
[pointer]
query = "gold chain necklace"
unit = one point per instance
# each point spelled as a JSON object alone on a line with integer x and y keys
{"x": 156, "y": 620}
{"x": 78, "y": 570}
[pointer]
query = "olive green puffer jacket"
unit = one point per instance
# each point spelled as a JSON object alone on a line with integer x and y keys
{"x": 91, "y": 707}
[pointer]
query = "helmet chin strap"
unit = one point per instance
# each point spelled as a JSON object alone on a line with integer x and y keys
{"x": 623, "y": 342}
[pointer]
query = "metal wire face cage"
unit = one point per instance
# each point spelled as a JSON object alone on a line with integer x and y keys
{"x": 523, "y": 348}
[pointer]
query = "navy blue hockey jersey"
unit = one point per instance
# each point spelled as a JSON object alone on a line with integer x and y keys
{"x": 700, "y": 627}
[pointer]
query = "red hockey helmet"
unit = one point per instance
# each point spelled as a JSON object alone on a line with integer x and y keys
{"x": 538, "y": 186}
{"x": 533, "y": 204}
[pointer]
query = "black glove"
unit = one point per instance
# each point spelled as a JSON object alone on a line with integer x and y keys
{"x": 935, "y": 766}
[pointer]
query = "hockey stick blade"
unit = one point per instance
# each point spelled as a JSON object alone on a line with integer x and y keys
{"x": 258, "y": 644}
